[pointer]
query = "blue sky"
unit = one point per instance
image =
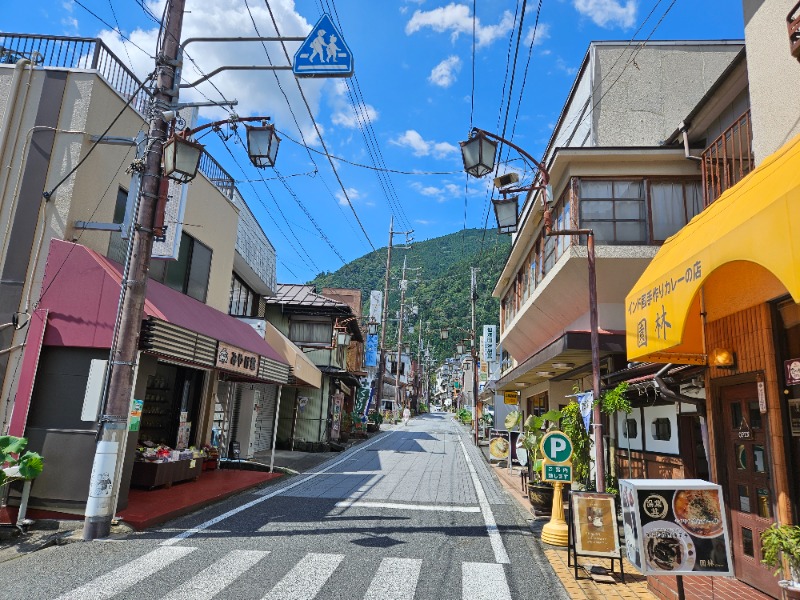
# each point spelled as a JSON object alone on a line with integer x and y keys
{"x": 407, "y": 108}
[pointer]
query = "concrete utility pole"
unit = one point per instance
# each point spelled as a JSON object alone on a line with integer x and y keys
{"x": 403, "y": 286}
{"x": 382, "y": 340}
{"x": 473, "y": 296}
{"x": 103, "y": 495}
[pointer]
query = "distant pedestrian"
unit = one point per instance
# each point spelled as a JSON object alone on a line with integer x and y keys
{"x": 406, "y": 415}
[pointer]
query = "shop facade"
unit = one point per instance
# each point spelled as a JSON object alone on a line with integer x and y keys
{"x": 189, "y": 351}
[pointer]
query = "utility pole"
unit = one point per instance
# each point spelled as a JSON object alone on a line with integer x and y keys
{"x": 403, "y": 286}
{"x": 473, "y": 296}
{"x": 122, "y": 366}
{"x": 384, "y": 311}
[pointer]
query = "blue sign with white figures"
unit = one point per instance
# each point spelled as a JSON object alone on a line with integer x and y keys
{"x": 323, "y": 53}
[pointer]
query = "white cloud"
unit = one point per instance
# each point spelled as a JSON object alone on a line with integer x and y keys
{"x": 542, "y": 34}
{"x": 444, "y": 74}
{"x": 353, "y": 194}
{"x": 423, "y": 222}
{"x": 351, "y": 119}
{"x": 608, "y": 13}
{"x": 256, "y": 91}
{"x": 421, "y": 147}
{"x": 456, "y": 19}
{"x": 444, "y": 193}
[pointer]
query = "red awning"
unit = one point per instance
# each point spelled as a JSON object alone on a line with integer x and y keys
{"x": 81, "y": 290}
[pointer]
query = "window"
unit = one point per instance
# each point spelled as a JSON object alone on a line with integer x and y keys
{"x": 662, "y": 429}
{"x": 120, "y": 205}
{"x": 189, "y": 274}
{"x": 615, "y": 210}
{"x": 311, "y": 333}
{"x": 630, "y": 429}
{"x": 244, "y": 301}
{"x": 537, "y": 405}
{"x": 672, "y": 205}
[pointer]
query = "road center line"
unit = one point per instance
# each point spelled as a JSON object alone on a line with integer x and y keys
{"x": 401, "y": 506}
{"x": 500, "y": 554}
{"x": 211, "y": 522}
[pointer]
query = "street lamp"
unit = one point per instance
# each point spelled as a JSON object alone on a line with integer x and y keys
{"x": 506, "y": 213}
{"x": 372, "y": 328}
{"x": 460, "y": 348}
{"x": 444, "y": 333}
{"x": 343, "y": 338}
{"x": 472, "y": 165}
{"x": 479, "y": 153}
{"x": 182, "y": 155}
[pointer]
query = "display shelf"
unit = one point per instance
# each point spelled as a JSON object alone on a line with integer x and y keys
{"x": 151, "y": 475}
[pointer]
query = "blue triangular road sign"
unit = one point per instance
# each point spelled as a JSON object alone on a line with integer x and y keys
{"x": 323, "y": 53}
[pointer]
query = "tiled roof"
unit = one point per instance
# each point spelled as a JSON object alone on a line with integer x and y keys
{"x": 302, "y": 295}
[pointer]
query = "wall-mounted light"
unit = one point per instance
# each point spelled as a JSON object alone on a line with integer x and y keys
{"x": 722, "y": 357}
{"x": 545, "y": 373}
{"x": 343, "y": 338}
{"x": 563, "y": 365}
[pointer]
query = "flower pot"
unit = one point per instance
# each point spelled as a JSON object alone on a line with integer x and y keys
{"x": 540, "y": 496}
{"x": 372, "y": 427}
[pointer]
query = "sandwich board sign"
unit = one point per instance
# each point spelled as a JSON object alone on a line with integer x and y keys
{"x": 323, "y": 53}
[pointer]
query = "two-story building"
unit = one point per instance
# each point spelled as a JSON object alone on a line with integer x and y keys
{"x": 62, "y": 272}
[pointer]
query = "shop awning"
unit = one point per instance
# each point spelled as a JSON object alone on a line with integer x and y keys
{"x": 757, "y": 221}
{"x": 304, "y": 371}
{"x": 81, "y": 291}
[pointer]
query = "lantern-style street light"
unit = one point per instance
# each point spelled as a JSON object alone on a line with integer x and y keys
{"x": 506, "y": 213}
{"x": 182, "y": 155}
{"x": 444, "y": 333}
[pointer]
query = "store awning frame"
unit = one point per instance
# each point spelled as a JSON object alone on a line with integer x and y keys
{"x": 756, "y": 221}
{"x": 304, "y": 372}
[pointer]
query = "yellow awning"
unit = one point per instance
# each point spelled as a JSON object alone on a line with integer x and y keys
{"x": 304, "y": 371}
{"x": 756, "y": 221}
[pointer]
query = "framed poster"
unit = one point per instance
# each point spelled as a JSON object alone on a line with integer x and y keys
{"x": 678, "y": 527}
{"x": 594, "y": 519}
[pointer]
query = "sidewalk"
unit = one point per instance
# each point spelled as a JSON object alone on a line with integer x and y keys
{"x": 584, "y": 588}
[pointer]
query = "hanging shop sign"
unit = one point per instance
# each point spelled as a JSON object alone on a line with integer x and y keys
{"x": 231, "y": 358}
{"x": 594, "y": 524}
{"x": 675, "y": 527}
{"x": 792, "y": 368}
{"x": 510, "y": 397}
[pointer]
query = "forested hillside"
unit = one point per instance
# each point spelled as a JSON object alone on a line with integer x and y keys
{"x": 440, "y": 287}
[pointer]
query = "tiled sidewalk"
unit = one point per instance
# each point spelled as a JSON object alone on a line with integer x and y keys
{"x": 584, "y": 588}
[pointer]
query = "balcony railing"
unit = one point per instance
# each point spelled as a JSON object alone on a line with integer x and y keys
{"x": 74, "y": 53}
{"x": 728, "y": 159}
{"x": 93, "y": 54}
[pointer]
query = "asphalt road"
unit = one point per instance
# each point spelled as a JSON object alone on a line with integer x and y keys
{"x": 413, "y": 513}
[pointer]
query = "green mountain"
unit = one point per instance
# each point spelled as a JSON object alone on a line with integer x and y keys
{"x": 438, "y": 271}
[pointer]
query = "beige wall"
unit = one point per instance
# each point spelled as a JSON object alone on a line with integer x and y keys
{"x": 773, "y": 73}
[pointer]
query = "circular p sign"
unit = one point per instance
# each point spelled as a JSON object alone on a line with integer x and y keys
{"x": 556, "y": 447}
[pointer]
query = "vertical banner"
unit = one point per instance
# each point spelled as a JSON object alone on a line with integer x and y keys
{"x": 362, "y": 400}
{"x": 376, "y": 305}
{"x": 371, "y": 351}
{"x": 489, "y": 343}
{"x": 336, "y": 422}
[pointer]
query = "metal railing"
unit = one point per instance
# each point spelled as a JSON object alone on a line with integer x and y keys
{"x": 728, "y": 159}
{"x": 74, "y": 53}
{"x": 217, "y": 175}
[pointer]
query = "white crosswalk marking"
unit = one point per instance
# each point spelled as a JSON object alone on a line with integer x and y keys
{"x": 396, "y": 579}
{"x": 213, "y": 579}
{"x": 484, "y": 581}
{"x": 306, "y": 579}
{"x": 121, "y": 578}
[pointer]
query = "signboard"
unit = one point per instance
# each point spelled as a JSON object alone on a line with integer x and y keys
{"x": 168, "y": 247}
{"x": 371, "y": 351}
{"x": 792, "y": 368}
{"x": 336, "y": 421}
{"x": 136, "y": 415}
{"x": 556, "y": 473}
{"x": 556, "y": 447}
{"x": 510, "y": 397}
{"x": 375, "y": 305}
{"x": 594, "y": 522}
{"x": 237, "y": 360}
{"x": 675, "y": 527}
{"x": 489, "y": 343}
{"x": 323, "y": 53}
{"x": 362, "y": 399}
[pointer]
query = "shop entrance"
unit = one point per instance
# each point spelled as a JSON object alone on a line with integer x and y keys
{"x": 171, "y": 406}
{"x": 746, "y": 461}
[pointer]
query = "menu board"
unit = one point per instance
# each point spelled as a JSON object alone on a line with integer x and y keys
{"x": 675, "y": 527}
{"x": 594, "y": 519}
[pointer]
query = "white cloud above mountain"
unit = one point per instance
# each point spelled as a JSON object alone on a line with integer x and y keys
{"x": 456, "y": 19}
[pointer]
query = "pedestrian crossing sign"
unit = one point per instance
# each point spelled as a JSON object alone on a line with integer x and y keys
{"x": 324, "y": 53}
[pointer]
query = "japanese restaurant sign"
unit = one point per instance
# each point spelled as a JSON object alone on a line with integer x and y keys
{"x": 594, "y": 522}
{"x": 675, "y": 527}
{"x": 237, "y": 360}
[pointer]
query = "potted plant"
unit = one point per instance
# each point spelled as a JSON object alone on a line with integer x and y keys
{"x": 540, "y": 493}
{"x": 345, "y": 426}
{"x": 374, "y": 423}
{"x": 783, "y": 542}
